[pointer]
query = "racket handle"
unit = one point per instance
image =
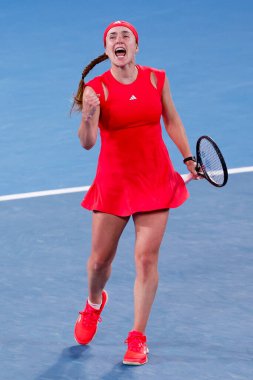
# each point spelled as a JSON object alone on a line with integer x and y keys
{"x": 187, "y": 177}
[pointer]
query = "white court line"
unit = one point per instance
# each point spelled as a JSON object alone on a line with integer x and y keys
{"x": 70, "y": 190}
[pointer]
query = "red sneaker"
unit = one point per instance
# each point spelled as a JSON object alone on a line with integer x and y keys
{"x": 137, "y": 349}
{"x": 86, "y": 324}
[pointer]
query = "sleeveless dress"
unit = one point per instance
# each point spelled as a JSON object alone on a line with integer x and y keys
{"x": 134, "y": 171}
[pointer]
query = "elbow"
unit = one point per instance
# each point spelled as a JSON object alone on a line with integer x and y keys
{"x": 87, "y": 142}
{"x": 87, "y": 145}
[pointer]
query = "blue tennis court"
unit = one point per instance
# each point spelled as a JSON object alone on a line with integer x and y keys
{"x": 201, "y": 323}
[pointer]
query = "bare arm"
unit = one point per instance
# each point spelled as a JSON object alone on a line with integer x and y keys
{"x": 88, "y": 129}
{"x": 174, "y": 126}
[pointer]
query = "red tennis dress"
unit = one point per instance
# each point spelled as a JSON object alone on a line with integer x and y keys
{"x": 134, "y": 172}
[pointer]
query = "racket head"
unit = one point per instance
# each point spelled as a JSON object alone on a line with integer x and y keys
{"x": 210, "y": 162}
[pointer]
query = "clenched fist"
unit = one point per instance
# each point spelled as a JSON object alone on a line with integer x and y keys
{"x": 90, "y": 103}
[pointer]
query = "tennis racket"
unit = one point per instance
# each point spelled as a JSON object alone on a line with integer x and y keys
{"x": 210, "y": 162}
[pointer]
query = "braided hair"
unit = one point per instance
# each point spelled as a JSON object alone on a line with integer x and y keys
{"x": 78, "y": 98}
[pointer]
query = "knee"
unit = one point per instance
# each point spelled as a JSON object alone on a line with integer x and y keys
{"x": 146, "y": 262}
{"x": 98, "y": 264}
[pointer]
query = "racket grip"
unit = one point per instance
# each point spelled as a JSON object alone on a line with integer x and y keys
{"x": 187, "y": 177}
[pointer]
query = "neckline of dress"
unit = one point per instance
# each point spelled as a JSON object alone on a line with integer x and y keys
{"x": 126, "y": 84}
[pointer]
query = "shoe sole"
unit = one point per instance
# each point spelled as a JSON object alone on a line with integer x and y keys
{"x": 85, "y": 344}
{"x": 134, "y": 363}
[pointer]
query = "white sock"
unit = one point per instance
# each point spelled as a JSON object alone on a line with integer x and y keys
{"x": 95, "y": 306}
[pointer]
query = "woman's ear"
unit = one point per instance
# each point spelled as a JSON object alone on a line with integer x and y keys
{"x": 137, "y": 48}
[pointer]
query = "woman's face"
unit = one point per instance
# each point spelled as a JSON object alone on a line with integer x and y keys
{"x": 121, "y": 46}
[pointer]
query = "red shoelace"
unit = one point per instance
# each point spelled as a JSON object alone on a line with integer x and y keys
{"x": 136, "y": 342}
{"x": 90, "y": 317}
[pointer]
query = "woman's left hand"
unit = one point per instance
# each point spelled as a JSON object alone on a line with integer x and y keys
{"x": 191, "y": 166}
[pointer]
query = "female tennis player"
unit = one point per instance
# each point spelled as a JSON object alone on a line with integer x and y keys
{"x": 135, "y": 177}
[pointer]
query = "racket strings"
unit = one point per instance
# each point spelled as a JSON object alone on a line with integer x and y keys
{"x": 211, "y": 162}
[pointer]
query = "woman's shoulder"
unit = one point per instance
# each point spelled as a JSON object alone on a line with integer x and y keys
{"x": 151, "y": 69}
{"x": 96, "y": 84}
{"x": 157, "y": 76}
{"x": 96, "y": 81}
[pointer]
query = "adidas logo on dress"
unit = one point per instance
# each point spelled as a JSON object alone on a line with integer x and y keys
{"x": 133, "y": 97}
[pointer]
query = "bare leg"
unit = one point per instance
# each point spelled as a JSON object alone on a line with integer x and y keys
{"x": 106, "y": 231}
{"x": 149, "y": 229}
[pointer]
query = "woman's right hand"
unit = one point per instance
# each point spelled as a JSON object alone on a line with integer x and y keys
{"x": 90, "y": 118}
{"x": 90, "y": 104}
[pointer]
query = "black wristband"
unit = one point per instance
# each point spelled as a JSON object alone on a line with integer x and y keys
{"x": 191, "y": 158}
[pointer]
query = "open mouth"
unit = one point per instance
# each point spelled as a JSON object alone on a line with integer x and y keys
{"x": 120, "y": 52}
